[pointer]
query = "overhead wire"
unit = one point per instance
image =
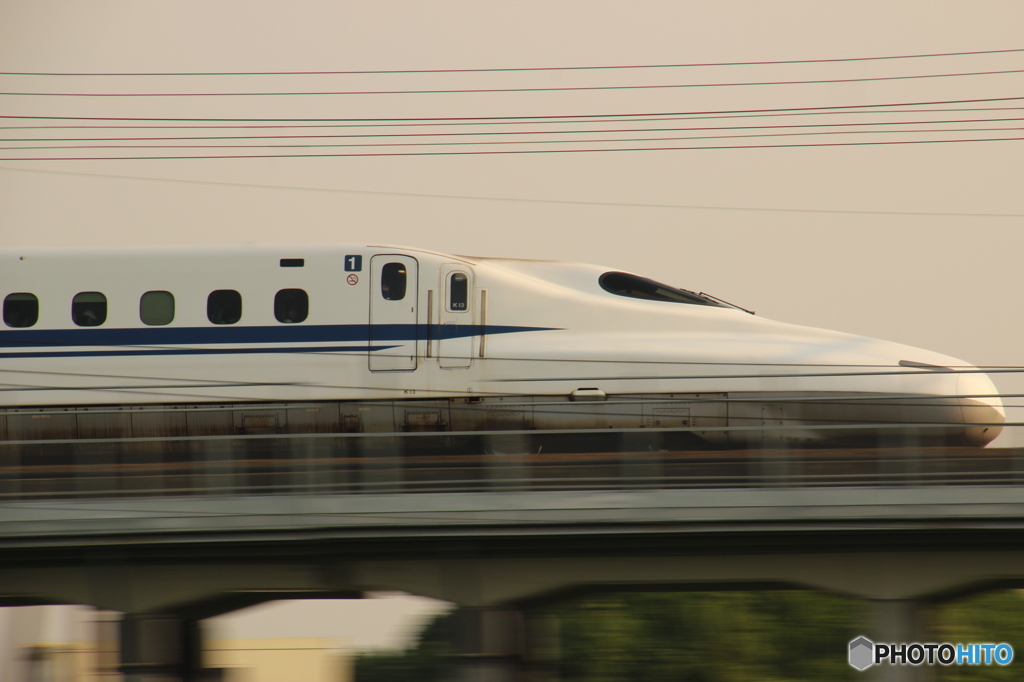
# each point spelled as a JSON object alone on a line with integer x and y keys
{"x": 465, "y": 120}
{"x": 492, "y": 143}
{"x": 631, "y": 362}
{"x": 539, "y": 406}
{"x": 579, "y": 131}
{"x": 469, "y": 197}
{"x": 595, "y": 118}
{"x": 416, "y": 435}
{"x": 543, "y": 403}
{"x": 861, "y": 370}
{"x": 605, "y": 118}
{"x": 174, "y": 394}
{"x": 853, "y": 371}
{"x": 218, "y": 383}
{"x": 508, "y": 151}
{"x": 454, "y": 91}
{"x": 517, "y": 69}
{"x": 8, "y": 339}
{"x": 510, "y": 142}
{"x": 637, "y": 118}
{"x": 545, "y": 407}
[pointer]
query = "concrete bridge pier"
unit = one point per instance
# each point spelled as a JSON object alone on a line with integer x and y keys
{"x": 899, "y": 621}
{"x": 161, "y": 648}
{"x": 497, "y": 644}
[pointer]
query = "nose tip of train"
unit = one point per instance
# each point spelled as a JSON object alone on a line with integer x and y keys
{"x": 982, "y": 407}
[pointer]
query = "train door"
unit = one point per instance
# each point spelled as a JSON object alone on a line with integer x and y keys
{"x": 393, "y": 323}
{"x": 457, "y": 331}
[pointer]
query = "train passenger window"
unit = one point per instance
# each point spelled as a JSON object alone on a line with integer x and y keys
{"x": 393, "y": 281}
{"x": 291, "y": 306}
{"x": 89, "y": 309}
{"x": 458, "y": 292}
{"x": 21, "y": 310}
{"x": 224, "y": 306}
{"x": 156, "y": 307}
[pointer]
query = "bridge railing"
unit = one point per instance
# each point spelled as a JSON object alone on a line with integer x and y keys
{"x": 413, "y": 463}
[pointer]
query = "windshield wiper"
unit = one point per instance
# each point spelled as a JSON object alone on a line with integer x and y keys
{"x": 731, "y": 305}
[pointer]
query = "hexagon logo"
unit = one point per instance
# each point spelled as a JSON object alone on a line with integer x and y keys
{"x": 862, "y": 653}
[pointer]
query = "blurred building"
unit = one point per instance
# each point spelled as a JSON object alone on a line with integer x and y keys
{"x": 273, "y": 660}
{"x": 76, "y": 644}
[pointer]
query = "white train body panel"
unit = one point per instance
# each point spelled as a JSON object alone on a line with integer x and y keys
{"x": 529, "y": 330}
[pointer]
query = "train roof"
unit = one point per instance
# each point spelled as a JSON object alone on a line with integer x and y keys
{"x": 237, "y": 257}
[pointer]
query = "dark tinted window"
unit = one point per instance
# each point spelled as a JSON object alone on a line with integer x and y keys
{"x": 89, "y": 309}
{"x": 624, "y": 284}
{"x": 393, "y": 281}
{"x": 291, "y": 306}
{"x": 21, "y": 310}
{"x": 458, "y": 292}
{"x": 224, "y": 306}
{"x": 156, "y": 307}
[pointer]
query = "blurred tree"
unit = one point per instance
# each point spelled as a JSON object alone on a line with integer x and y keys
{"x": 426, "y": 661}
{"x": 719, "y": 637}
{"x": 708, "y": 637}
{"x": 994, "y": 617}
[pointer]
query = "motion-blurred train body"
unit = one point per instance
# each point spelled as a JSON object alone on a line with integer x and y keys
{"x": 265, "y": 339}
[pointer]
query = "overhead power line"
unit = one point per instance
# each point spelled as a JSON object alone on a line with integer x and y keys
{"x": 524, "y": 200}
{"x": 454, "y": 91}
{"x": 582, "y": 131}
{"x": 514, "y": 69}
{"x": 639, "y": 119}
{"x": 468, "y": 120}
{"x": 507, "y": 142}
{"x": 505, "y": 151}
{"x": 779, "y": 372}
{"x": 768, "y": 371}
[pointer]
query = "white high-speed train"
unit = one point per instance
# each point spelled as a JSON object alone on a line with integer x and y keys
{"x": 376, "y": 339}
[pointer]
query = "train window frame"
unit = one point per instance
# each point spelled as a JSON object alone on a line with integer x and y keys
{"x": 89, "y": 309}
{"x": 462, "y": 289}
{"x": 153, "y": 308}
{"x": 15, "y": 314}
{"x": 221, "y": 307}
{"x": 633, "y": 286}
{"x": 394, "y": 281}
{"x": 295, "y": 311}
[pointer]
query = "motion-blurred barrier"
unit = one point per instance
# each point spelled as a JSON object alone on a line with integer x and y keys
{"x": 466, "y": 462}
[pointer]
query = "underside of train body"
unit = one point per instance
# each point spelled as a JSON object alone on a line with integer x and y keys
{"x": 279, "y": 341}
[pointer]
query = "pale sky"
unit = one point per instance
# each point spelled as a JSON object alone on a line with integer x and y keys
{"x": 915, "y": 243}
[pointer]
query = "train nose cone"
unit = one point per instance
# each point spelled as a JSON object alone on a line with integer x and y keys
{"x": 982, "y": 407}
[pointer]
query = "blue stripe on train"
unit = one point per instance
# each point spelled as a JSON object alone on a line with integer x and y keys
{"x": 170, "y": 336}
{"x": 190, "y": 351}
